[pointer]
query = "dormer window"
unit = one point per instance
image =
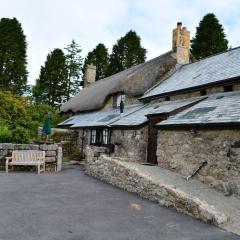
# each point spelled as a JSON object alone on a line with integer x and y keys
{"x": 228, "y": 88}
{"x": 119, "y": 99}
{"x": 167, "y": 98}
{"x": 203, "y": 92}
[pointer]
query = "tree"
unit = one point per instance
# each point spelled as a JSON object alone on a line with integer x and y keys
{"x": 52, "y": 84}
{"x": 13, "y": 70}
{"x": 14, "y": 118}
{"x": 74, "y": 68}
{"x": 100, "y": 58}
{"x": 127, "y": 52}
{"x": 209, "y": 39}
{"x": 19, "y": 117}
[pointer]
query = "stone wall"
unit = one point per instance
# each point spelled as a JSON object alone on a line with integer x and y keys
{"x": 121, "y": 175}
{"x": 216, "y": 151}
{"x": 130, "y": 145}
{"x": 209, "y": 90}
{"x": 53, "y": 152}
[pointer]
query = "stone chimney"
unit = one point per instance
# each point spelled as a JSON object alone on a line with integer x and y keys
{"x": 90, "y": 75}
{"x": 181, "y": 44}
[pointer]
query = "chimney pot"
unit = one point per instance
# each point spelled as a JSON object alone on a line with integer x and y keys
{"x": 179, "y": 24}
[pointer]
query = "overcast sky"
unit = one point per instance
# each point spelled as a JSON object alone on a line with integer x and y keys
{"x": 50, "y": 24}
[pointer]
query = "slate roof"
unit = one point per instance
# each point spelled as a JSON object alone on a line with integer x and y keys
{"x": 133, "y": 82}
{"x": 221, "y": 108}
{"x": 99, "y": 118}
{"x": 139, "y": 117}
{"x": 204, "y": 72}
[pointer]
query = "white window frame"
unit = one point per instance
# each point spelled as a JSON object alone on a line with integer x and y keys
{"x": 93, "y": 137}
{"x": 105, "y": 136}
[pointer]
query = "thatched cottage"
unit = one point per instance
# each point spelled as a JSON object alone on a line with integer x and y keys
{"x": 171, "y": 111}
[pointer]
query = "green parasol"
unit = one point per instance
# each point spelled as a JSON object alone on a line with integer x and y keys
{"x": 47, "y": 125}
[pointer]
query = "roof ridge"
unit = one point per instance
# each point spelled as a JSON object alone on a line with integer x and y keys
{"x": 213, "y": 55}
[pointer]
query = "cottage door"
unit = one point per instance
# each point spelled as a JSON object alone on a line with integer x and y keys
{"x": 152, "y": 143}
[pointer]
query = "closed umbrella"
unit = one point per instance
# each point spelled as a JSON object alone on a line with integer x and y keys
{"x": 47, "y": 126}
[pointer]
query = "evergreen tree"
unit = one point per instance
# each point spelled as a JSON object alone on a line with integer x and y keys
{"x": 74, "y": 68}
{"x": 51, "y": 86}
{"x": 13, "y": 70}
{"x": 127, "y": 52}
{"x": 100, "y": 58}
{"x": 209, "y": 39}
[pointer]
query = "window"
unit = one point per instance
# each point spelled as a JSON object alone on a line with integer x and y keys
{"x": 228, "y": 88}
{"x": 119, "y": 99}
{"x": 93, "y": 138}
{"x": 203, "y": 92}
{"x": 105, "y": 136}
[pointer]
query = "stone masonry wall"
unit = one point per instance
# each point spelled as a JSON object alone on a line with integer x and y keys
{"x": 185, "y": 151}
{"x": 119, "y": 174}
{"x": 130, "y": 145}
{"x": 53, "y": 152}
{"x": 210, "y": 90}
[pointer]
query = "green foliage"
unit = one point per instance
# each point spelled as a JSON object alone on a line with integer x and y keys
{"x": 209, "y": 39}
{"x": 5, "y": 133}
{"x": 14, "y": 116}
{"x": 20, "y": 135}
{"x": 127, "y": 52}
{"x": 100, "y": 58}
{"x": 19, "y": 118}
{"x": 74, "y": 69}
{"x": 53, "y": 80}
{"x": 13, "y": 60}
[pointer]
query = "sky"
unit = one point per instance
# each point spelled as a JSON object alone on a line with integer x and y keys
{"x": 50, "y": 24}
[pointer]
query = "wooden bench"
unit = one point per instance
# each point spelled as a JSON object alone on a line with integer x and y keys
{"x": 27, "y": 158}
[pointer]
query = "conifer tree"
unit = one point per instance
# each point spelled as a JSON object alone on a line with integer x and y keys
{"x": 127, "y": 52}
{"x": 74, "y": 69}
{"x": 13, "y": 57}
{"x": 100, "y": 58}
{"x": 209, "y": 39}
{"x": 52, "y": 83}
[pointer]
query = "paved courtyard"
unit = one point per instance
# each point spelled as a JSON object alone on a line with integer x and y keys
{"x": 72, "y": 206}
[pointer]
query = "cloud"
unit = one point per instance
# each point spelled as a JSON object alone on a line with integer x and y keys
{"x": 50, "y": 24}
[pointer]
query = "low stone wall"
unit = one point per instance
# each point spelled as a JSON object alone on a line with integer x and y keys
{"x": 185, "y": 151}
{"x": 118, "y": 174}
{"x": 53, "y": 152}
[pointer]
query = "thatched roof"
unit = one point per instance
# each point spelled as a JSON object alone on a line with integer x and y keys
{"x": 133, "y": 82}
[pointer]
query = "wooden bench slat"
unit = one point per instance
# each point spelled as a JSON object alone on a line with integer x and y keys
{"x": 28, "y": 158}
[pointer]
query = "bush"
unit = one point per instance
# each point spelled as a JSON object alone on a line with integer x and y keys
{"x": 20, "y": 117}
{"x": 20, "y": 135}
{"x": 5, "y": 134}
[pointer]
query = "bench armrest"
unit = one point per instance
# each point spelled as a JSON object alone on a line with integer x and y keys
{"x": 8, "y": 159}
{"x": 41, "y": 159}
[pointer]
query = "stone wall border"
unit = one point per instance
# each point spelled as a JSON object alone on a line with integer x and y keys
{"x": 53, "y": 151}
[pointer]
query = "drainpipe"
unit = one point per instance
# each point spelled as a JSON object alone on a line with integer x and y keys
{"x": 82, "y": 144}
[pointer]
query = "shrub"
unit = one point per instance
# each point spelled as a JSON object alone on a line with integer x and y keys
{"x": 20, "y": 135}
{"x": 5, "y": 134}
